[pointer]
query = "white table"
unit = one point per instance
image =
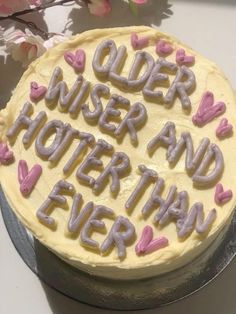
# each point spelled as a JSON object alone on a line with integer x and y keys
{"x": 209, "y": 27}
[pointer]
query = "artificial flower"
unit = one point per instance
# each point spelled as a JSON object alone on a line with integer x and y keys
{"x": 54, "y": 40}
{"x": 99, "y": 7}
{"x": 39, "y": 2}
{"x": 139, "y": 1}
{"x": 23, "y": 47}
{"x": 8, "y": 7}
{"x": 35, "y": 2}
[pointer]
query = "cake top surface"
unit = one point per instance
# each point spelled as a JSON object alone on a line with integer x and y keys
{"x": 154, "y": 123}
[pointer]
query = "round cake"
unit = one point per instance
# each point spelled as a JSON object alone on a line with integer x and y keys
{"x": 117, "y": 152}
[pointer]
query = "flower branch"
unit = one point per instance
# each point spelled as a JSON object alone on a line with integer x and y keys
{"x": 35, "y": 29}
{"x": 26, "y": 46}
{"x": 35, "y": 9}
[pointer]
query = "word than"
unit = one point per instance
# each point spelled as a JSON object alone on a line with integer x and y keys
{"x": 196, "y": 163}
{"x": 172, "y": 208}
{"x": 64, "y": 135}
{"x": 87, "y": 219}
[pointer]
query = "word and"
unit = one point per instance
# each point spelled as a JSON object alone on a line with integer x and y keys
{"x": 196, "y": 164}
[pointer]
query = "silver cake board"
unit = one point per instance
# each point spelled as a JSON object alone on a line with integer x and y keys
{"x": 118, "y": 295}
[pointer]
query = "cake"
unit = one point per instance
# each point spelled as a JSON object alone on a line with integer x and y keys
{"x": 117, "y": 152}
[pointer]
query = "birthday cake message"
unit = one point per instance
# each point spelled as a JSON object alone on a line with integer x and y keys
{"x": 204, "y": 164}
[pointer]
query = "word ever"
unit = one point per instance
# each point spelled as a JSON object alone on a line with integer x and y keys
{"x": 87, "y": 220}
{"x": 196, "y": 164}
{"x": 64, "y": 135}
{"x": 174, "y": 207}
{"x": 152, "y": 74}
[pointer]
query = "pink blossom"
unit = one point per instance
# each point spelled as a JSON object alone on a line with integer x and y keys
{"x": 139, "y": 1}
{"x": 23, "y": 47}
{"x": 54, "y": 40}
{"x": 99, "y": 7}
{"x": 8, "y": 7}
{"x": 35, "y": 2}
{"x": 38, "y": 2}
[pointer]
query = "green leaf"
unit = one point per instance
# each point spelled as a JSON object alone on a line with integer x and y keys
{"x": 133, "y": 7}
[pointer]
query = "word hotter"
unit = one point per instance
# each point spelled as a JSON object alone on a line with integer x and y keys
{"x": 64, "y": 135}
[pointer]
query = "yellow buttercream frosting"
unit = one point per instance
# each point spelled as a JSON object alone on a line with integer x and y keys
{"x": 59, "y": 240}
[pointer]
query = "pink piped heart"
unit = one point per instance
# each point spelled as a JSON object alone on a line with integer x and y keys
{"x": 76, "y": 60}
{"x": 222, "y": 196}
{"x": 224, "y": 128}
{"x": 147, "y": 244}
{"x": 26, "y": 178}
{"x": 138, "y": 43}
{"x": 37, "y": 92}
{"x": 6, "y": 156}
{"x": 208, "y": 110}
{"x": 181, "y": 57}
{"x": 163, "y": 48}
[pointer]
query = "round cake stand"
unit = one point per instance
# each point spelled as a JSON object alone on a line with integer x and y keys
{"x": 118, "y": 295}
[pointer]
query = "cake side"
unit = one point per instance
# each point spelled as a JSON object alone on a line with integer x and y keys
{"x": 67, "y": 244}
